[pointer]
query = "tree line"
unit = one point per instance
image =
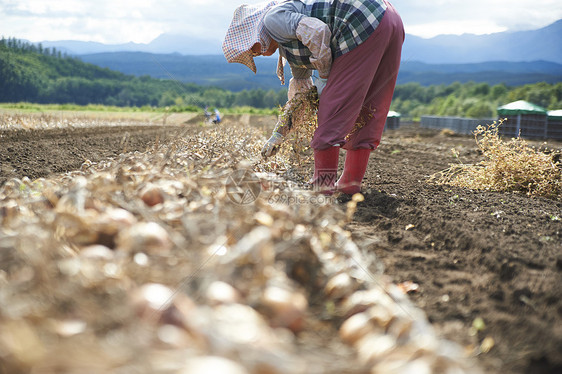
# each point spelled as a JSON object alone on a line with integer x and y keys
{"x": 473, "y": 100}
{"x": 16, "y": 44}
{"x": 35, "y": 74}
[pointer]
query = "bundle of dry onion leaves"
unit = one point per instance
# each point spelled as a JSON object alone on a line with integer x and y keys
{"x": 152, "y": 263}
{"x": 510, "y": 165}
{"x": 300, "y": 114}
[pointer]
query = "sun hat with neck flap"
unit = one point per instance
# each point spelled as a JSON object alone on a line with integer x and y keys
{"x": 245, "y": 30}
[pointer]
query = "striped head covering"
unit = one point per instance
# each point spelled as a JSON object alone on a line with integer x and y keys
{"x": 245, "y": 30}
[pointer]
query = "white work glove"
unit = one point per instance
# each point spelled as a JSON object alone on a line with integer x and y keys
{"x": 271, "y": 147}
{"x": 298, "y": 86}
{"x": 320, "y": 83}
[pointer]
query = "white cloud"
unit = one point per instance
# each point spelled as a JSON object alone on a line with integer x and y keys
{"x": 428, "y": 19}
{"x": 121, "y": 21}
{"x": 432, "y": 29}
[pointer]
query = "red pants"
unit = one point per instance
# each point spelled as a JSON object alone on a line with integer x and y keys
{"x": 355, "y": 102}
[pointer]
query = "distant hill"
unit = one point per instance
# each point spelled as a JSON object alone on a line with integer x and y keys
{"x": 214, "y": 70}
{"x": 542, "y": 44}
{"x": 491, "y": 72}
{"x": 165, "y": 43}
{"x": 534, "y": 45}
{"x": 513, "y": 58}
{"x": 210, "y": 70}
{"x": 42, "y": 75}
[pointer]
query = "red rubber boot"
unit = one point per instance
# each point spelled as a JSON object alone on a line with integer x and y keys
{"x": 356, "y": 161}
{"x": 325, "y": 170}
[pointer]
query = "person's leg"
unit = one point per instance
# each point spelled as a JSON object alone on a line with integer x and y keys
{"x": 379, "y": 95}
{"x": 356, "y": 161}
{"x": 343, "y": 100}
{"x": 325, "y": 170}
{"x": 339, "y": 106}
{"x": 367, "y": 133}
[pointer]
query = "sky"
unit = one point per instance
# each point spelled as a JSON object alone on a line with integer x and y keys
{"x": 141, "y": 21}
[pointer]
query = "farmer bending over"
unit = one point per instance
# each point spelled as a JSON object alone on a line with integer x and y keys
{"x": 355, "y": 46}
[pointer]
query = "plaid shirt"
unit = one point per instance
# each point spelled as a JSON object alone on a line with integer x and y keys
{"x": 351, "y": 23}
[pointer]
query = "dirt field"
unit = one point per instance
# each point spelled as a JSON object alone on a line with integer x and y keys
{"x": 475, "y": 255}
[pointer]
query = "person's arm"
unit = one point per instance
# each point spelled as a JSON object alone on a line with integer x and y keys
{"x": 286, "y": 22}
{"x": 282, "y": 20}
{"x": 281, "y": 23}
{"x": 316, "y": 36}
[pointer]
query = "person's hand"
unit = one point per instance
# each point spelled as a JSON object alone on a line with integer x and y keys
{"x": 320, "y": 83}
{"x": 271, "y": 147}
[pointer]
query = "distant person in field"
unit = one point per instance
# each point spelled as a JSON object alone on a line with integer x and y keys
{"x": 217, "y": 116}
{"x": 356, "y": 55}
{"x": 207, "y": 115}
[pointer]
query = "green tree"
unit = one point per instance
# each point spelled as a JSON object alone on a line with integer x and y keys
{"x": 480, "y": 109}
{"x": 540, "y": 94}
{"x": 498, "y": 91}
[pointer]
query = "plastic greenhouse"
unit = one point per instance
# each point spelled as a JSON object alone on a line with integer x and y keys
{"x": 554, "y": 125}
{"x": 523, "y": 118}
{"x": 392, "y": 120}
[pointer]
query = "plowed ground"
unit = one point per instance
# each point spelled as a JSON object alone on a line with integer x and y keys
{"x": 474, "y": 254}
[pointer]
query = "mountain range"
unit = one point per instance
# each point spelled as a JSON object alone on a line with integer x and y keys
{"x": 213, "y": 70}
{"x": 541, "y": 44}
{"x": 165, "y": 43}
{"x": 513, "y": 58}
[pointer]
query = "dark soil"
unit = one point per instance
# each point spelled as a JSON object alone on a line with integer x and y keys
{"x": 497, "y": 256}
{"x": 40, "y": 153}
{"x": 494, "y": 256}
